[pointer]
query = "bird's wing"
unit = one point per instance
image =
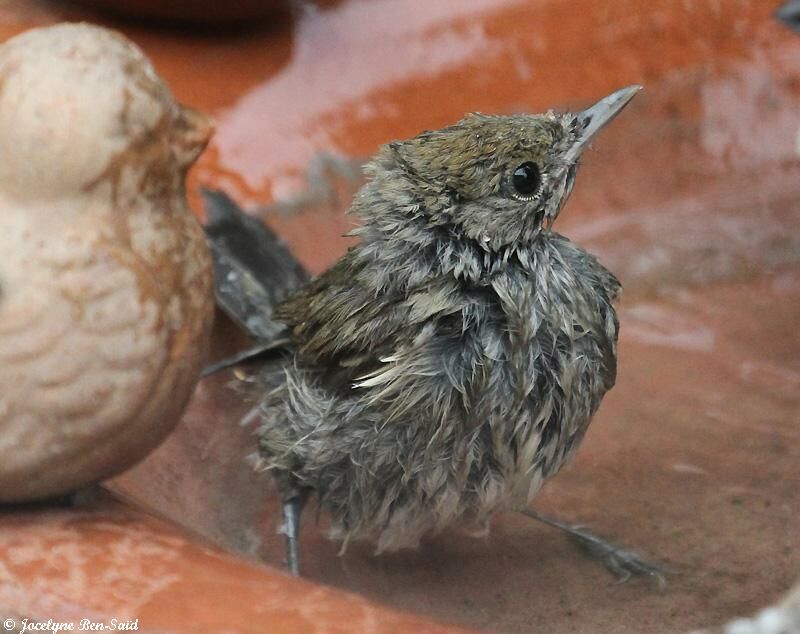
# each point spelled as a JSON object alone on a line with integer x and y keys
{"x": 336, "y": 321}
{"x": 339, "y": 322}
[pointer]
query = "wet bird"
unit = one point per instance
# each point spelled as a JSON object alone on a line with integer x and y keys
{"x": 452, "y": 360}
{"x": 106, "y": 293}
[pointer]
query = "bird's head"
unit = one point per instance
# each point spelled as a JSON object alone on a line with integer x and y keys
{"x": 498, "y": 180}
{"x": 83, "y": 110}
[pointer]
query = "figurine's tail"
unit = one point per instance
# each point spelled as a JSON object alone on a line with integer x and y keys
{"x": 254, "y": 271}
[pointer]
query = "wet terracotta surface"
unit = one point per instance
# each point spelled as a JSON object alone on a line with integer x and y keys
{"x": 107, "y": 565}
{"x": 691, "y": 197}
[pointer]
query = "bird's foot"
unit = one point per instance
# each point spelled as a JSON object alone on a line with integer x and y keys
{"x": 622, "y": 563}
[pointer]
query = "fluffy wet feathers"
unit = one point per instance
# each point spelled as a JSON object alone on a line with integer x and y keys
{"x": 451, "y": 361}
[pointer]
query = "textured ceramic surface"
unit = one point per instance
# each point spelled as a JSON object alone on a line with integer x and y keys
{"x": 105, "y": 307}
{"x": 105, "y": 565}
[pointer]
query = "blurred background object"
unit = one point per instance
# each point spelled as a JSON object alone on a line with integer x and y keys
{"x": 191, "y": 11}
{"x": 789, "y": 14}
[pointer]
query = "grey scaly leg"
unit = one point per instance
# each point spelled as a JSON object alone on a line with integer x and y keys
{"x": 292, "y": 508}
{"x": 621, "y": 562}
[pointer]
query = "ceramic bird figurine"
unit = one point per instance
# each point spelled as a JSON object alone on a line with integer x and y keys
{"x": 451, "y": 361}
{"x": 106, "y": 295}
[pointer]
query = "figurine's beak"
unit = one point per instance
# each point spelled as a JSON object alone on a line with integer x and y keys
{"x": 593, "y": 119}
{"x": 193, "y": 131}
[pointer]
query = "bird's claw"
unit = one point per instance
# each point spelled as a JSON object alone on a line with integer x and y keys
{"x": 623, "y": 564}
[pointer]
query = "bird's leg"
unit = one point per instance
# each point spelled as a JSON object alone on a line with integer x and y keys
{"x": 292, "y": 509}
{"x": 621, "y": 562}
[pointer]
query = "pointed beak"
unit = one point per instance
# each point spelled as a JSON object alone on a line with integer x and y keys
{"x": 593, "y": 119}
{"x": 193, "y": 131}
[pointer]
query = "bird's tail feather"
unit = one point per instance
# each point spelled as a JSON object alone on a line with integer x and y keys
{"x": 254, "y": 271}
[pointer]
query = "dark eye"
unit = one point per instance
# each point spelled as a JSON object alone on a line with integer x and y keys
{"x": 527, "y": 180}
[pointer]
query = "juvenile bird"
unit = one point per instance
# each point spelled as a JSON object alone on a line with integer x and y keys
{"x": 451, "y": 361}
{"x": 105, "y": 277}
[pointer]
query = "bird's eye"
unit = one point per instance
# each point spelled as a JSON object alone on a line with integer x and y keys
{"x": 526, "y": 180}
